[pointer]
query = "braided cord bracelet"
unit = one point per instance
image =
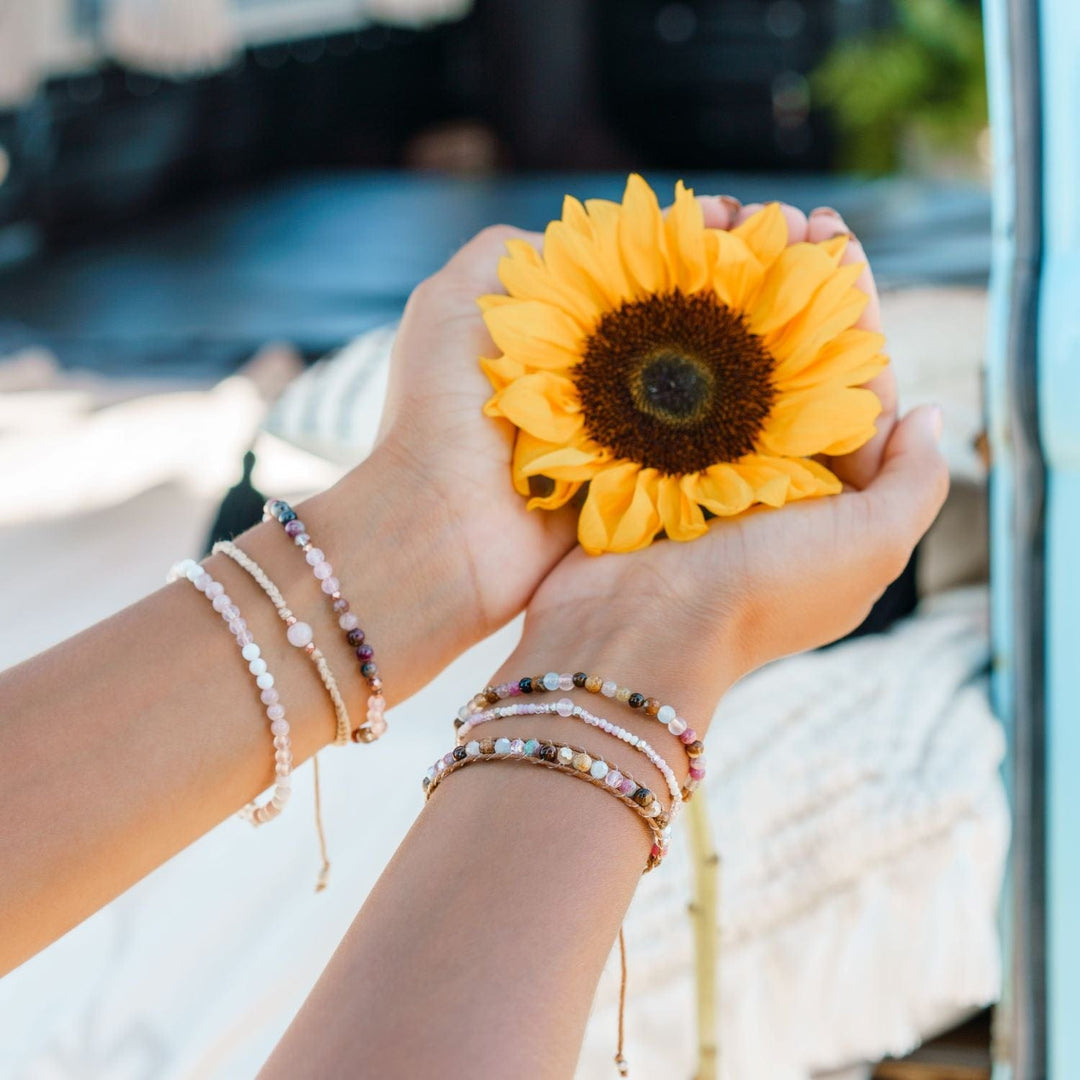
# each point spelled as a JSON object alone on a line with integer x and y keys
{"x": 299, "y": 634}
{"x": 275, "y": 711}
{"x": 566, "y": 708}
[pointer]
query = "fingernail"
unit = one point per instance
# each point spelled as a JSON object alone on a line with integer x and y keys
{"x": 821, "y": 211}
{"x": 731, "y": 203}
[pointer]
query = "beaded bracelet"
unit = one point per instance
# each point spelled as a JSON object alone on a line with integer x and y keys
{"x": 572, "y": 760}
{"x": 275, "y": 711}
{"x": 299, "y": 634}
{"x": 566, "y": 708}
{"x": 596, "y": 684}
{"x": 282, "y": 512}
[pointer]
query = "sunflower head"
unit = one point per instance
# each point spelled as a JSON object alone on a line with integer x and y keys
{"x": 676, "y": 370}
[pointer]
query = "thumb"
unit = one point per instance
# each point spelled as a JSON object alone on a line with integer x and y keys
{"x": 913, "y": 481}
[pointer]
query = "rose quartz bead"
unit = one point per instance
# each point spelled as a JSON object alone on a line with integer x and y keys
{"x": 314, "y": 557}
{"x": 244, "y": 638}
{"x": 202, "y": 581}
{"x": 221, "y": 602}
{"x": 270, "y": 696}
{"x": 214, "y": 589}
{"x": 322, "y": 570}
{"x": 613, "y": 778}
{"x": 348, "y": 621}
{"x": 697, "y": 774}
{"x": 230, "y": 612}
{"x": 279, "y": 727}
{"x": 281, "y": 742}
{"x": 566, "y": 682}
{"x": 299, "y": 634}
{"x": 237, "y": 625}
{"x": 627, "y": 787}
{"x": 331, "y": 584}
{"x": 275, "y": 711}
{"x": 688, "y": 736}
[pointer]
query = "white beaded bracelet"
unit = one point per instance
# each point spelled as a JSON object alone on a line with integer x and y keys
{"x": 566, "y": 708}
{"x": 275, "y": 711}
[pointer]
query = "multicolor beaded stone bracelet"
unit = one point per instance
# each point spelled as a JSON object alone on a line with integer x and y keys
{"x": 572, "y": 760}
{"x": 566, "y": 708}
{"x": 596, "y": 684}
{"x": 279, "y": 510}
{"x": 275, "y": 711}
{"x": 299, "y": 634}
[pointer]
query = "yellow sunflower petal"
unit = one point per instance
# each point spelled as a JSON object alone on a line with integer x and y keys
{"x": 789, "y": 285}
{"x": 605, "y": 216}
{"x": 811, "y": 421}
{"x": 853, "y": 357}
{"x": 685, "y": 228}
{"x": 852, "y": 442}
{"x": 680, "y": 515}
{"x": 580, "y": 461}
{"x": 536, "y": 334}
{"x": 576, "y": 216}
{"x": 722, "y": 491}
{"x": 543, "y": 404}
{"x": 620, "y": 510}
{"x": 529, "y": 281}
{"x": 501, "y": 370}
{"x": 835, "y": 307}
{"x": 493, "y": 300}
{"x": 737, "y": 273}
{"x": 808, "y": 477}
{"x": 561, "y": 494}
{"x": 769, "y": 484}
{"x": 641, "y": 237}
{"x": 765, "y": 233}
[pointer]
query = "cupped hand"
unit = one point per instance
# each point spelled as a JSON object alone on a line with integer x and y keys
{"x": 690, "y": 618}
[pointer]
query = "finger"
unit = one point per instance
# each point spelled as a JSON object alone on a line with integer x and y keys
{"x": 906, "y": 495}
{"x": 719, "y": 211}
{"x": 861, "y": 466}
{"x": 795, "y": 218}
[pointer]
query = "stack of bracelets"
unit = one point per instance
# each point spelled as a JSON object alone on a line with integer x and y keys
{"x": 300, "y": 635}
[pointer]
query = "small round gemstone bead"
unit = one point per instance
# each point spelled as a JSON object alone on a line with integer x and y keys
{"x": 635, "y": 701}
{"x": 322, "y": 570}
{"x": 460, "y": 753}
{"x": 300, "y": 539}
{"x": 472, "y": 748}
{"x": 695, "y": 749}
{"x": 287, "y": 515}
{"x": 487, "y": 746}
{"x": 292, "y": 528}
{"x": 502, "y": 746}
{"x": 364, "y": 652}
{"x": 214, "y": 589}
{"x": 613, "y": 779}
{"x": 237, "y": 625}
{"x": 300, "y": 635}
{"x": 697, "y": 774}
{"x": 598, "y": 770}
{"x": 314, "y": 556}
{"x": 579, "y": 678}
{"x": 566, "y": 682}
{"x": 250, "y": 652}
{"x": 264, "y": 681}
{"x": 244, "y": 637}
{"x": 677, "y": 726}
{"x": 348, "y": 621}
{"x": 275, "y": 712}
{"x": 698, "y": 763}
{"x": 688, "y": 736}
{"x": 531, "y": 746}
{"x": 340, "y": 605}
{"x": 627, "y": 787}
{"x": 644, "y": 797}
{"x": 581, "y": 762}
{"x": 355, "y": 637}
{"x": 221, "y": 602}
{"x": 622, "y": 695}
{"x": 270, "y": 696}
{"x": 331, "y": 585}
{"x": 368, "y": 669}
{"x": 566, "y": 755}
{"x": 593, "y": 684}
{"x": 257, "y": 666}
{"x": 202, "y": 581}
{"x": 491, "y": 695}
{"x": 548, "y": 752}
{"x": 665, "y": 714}
{"x": 652, "y": 706}
{"x": 279, "y": 727}
{"x": 564, "y": 707}
{"x": 551, "y": 680}
{"x": 517, "y": 746}
{"x": 525, "y": 685}
{"x": 609, "y": 688}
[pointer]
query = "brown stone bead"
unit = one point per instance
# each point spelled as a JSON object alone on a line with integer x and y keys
{"x": 635, "y": 701}
{"x": 487, "y": 746}
{"x": 593, "y": 684}
{"x": 663, "y": 820}
{"x": 695, "y": 749}
{"x": 643, "y": 797}
{"x": 652, "y": 706}
{"x": 458, "y": 722}
{"x": 538, "y": 684}
{"x": 460, "y": 753}
{"x": 579, "y": 679}
{"x": 490, "y": 696}
{"x": 548, "y": 752}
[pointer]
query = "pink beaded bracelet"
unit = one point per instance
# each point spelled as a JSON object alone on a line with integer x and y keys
{"x": 566, "y": 708}
{"x": 275, "y": 711}
{"x": 279, "y": 510}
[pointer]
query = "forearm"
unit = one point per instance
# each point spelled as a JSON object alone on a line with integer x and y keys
{"x": 124, "y": 744}
{"x": 479, "y": 950}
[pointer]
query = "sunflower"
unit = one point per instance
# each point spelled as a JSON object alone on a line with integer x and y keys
{"x": 677, "y": 370}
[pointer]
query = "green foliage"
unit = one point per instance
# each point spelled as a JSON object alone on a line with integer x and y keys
{"x": 925, "y": 76}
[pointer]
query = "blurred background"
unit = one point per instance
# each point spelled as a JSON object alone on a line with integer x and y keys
{"x": 211, "y": 215}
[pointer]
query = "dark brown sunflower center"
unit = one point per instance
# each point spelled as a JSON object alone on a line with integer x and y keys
{"x": 676, "y": 383}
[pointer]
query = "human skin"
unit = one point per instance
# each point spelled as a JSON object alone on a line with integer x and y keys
{"x": 435, "y": 550}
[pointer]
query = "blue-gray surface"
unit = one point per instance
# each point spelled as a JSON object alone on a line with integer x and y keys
{"x": 317, "y": 259}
